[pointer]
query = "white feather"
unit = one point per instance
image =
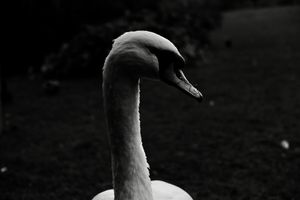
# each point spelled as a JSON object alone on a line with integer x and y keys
{"x": 161, "y": 191}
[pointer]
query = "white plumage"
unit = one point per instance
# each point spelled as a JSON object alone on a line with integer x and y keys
{"x": 161, "y": 191}
{"x": 136, "y": 55}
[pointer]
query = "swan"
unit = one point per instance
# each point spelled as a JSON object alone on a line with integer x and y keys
{"x": 135, "y": 55}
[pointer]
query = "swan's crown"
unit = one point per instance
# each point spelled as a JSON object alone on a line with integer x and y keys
{"x": 142, "y": 53}
{"x": 146, "y": 39}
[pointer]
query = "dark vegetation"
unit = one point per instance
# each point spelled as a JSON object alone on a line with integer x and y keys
{"x": 232, "y": 146}
{"x": 72, "y": 37}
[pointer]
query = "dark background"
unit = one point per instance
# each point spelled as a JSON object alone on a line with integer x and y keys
{"x": 241, "y": 142}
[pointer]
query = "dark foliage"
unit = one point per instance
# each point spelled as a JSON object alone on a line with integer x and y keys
{"x": 31, "y": 30}
{"x": 186, "y": 23}
{"x": 35, "y": 29}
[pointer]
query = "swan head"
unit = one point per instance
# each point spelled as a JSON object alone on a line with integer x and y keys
{"x": 144, "y": 54}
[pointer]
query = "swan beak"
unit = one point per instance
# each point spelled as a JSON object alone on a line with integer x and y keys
{"x": 175, "y": 77}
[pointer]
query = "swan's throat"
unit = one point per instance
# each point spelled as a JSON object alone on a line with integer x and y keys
{"x": 130, "y": 169}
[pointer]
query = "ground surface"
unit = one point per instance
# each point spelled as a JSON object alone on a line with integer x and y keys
{"x": 228, "y": 147}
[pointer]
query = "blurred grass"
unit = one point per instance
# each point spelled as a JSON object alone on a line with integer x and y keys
{"x": 227, "y": 147}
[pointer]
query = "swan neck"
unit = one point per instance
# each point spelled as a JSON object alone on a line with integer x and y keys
{"x": 130, "y": 168}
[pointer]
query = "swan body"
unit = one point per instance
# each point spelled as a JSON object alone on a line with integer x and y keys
{"x": 135, "y": 55}
{"x": 161, "y": 191}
